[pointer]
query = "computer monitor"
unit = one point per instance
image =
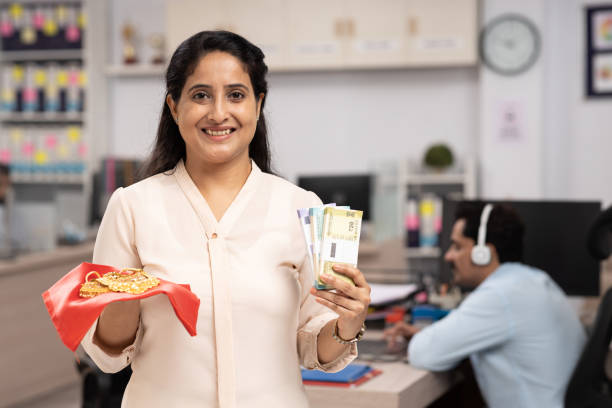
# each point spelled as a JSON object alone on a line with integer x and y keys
{"x": 555, "y": 241}
{"x": 346, "y": 189}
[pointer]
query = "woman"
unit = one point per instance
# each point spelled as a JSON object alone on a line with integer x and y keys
{"x": 211, "y": 215}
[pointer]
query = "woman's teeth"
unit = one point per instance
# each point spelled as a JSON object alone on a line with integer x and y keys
{"x": 218, "y": 132}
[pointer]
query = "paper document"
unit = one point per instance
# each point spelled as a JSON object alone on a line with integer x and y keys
{"x": 382, "y": 293}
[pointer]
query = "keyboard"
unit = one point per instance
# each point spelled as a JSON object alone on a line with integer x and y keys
{"x": 378, "y": 350}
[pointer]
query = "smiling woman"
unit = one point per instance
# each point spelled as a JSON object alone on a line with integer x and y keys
{"x": 215, "y": 79}
{"x": 217, "y": 112}
{"x": 210, "y": 214}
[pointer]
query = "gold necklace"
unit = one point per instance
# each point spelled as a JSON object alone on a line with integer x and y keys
{"x": 128, "y": 280}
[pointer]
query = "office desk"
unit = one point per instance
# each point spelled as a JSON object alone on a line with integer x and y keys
{"x": 34, "y": 360}
{"x": 399, "y": 385}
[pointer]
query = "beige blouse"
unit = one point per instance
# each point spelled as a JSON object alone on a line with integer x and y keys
{"x": 257, "y": 321}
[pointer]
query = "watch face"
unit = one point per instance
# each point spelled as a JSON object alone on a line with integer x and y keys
{"x": 510, "y": 44}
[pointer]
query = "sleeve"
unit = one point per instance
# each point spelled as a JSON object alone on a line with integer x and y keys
{"x": 115, "y": 245}
{"x": 481, "y": 322}
{"x": 313, "y": 317}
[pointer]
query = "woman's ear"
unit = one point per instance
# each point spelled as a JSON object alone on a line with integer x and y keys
{"x": 260, "y": 99}
{"x": 172, "y": 105}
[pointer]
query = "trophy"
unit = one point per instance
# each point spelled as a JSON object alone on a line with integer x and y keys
{"x": 128, "y": 33}
{"x": 156, "y": 41}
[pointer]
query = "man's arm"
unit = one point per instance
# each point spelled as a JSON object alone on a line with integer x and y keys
{"x": 482, "y": 321}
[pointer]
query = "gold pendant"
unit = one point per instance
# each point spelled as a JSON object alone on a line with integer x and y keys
{"x": 92, "y": 288}
{"x": 128, "y": 280}
{"x": 134, "y": 281}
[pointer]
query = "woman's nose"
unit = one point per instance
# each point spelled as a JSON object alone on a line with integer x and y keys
{"x": 219, "y": 111}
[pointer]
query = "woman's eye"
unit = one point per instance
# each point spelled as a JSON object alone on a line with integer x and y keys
{"x": 200, "y": 95}
{"x": 236, "y": 95}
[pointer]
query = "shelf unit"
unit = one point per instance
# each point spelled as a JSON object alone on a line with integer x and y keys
{"x": 53, "y": 187}
{"x": 42, "y": 118}
{"x": 56, "y": 179}
{"x": 135, "y": 71}
{"x": 42, "y": 55}
{"x": 422, "y": 252}
{"x": 411, "y": 181}
{"x": 395, "y": 181}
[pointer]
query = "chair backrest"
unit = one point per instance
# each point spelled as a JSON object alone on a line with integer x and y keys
{"x": 599, "y": 240}
{"x": 589, "y": 386}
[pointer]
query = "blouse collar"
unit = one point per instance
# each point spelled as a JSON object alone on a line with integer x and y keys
{"x": 201, "y": 207}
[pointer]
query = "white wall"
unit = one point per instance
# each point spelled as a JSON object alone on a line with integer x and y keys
{"x": 565, "y": 154}
{"x": 511, "y": 168}
{"x": 342, "y": 121}
{"x": 371, "y": 115}
{"x": 590, "y": 143}
{"x": 396, "y": 113}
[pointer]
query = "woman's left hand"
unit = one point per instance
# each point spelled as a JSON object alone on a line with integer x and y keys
{"x": 349, "y": 302}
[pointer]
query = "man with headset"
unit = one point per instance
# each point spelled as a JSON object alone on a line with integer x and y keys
{"x": 517, "y": 327}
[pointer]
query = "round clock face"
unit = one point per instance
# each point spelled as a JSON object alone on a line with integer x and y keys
{"x": 510, "y": 44}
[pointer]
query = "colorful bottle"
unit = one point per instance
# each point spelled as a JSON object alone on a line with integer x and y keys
{"x": 52, "y": 102}
{"x": 411, "y": 223}
{"x": 73, "y": 96}
{"x": 8, "y": 90}
{"x": 72, "y": 32}
{"x": 427, "y": 232}
{"x": 30, "y": 97}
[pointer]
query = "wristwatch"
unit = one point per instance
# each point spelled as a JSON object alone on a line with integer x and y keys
{"x": 351, "y": 341}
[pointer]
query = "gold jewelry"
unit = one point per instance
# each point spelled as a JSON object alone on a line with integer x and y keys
{"x": 92, "y": 288}
{"x": 340, "y": 340}
{"x": 128, "y": 280}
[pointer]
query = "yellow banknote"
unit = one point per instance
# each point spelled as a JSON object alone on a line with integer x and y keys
{"x": 339, "y": 242}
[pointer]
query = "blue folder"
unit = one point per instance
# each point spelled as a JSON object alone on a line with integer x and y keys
{"x": 350, "y": 373}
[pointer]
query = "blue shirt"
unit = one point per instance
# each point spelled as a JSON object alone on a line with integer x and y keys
{"x": 520, "y": 332}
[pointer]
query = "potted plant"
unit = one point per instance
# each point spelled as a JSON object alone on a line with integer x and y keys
{"x": 438, "y": 157}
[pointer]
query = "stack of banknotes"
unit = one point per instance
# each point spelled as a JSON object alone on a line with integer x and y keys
{"x": 332, "y": 237}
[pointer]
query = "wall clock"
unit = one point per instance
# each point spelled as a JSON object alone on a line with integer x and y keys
{"x": 509, "y": 44}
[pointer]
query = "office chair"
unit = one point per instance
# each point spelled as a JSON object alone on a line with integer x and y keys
{"x": 599, "y": 240}
{"x": 99, "y": 389}
{"x": 589, "y": 387}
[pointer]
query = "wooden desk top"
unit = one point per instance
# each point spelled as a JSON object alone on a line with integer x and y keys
{"x": 399, "y": 385}
{"x": 40, "y": 260}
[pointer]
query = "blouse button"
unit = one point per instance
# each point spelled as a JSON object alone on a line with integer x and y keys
{"x": 214, "y": 235}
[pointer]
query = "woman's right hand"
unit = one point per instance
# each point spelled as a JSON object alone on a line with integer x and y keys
{"x": 117, "y": 326}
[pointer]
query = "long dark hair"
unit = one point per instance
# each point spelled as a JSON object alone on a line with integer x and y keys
{"x": 169, "y": 147}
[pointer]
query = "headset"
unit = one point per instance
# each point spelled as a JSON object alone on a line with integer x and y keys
{"x": 481, "y": 254}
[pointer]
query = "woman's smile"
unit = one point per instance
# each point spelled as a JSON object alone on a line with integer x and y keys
{"x": 218, "y": 133}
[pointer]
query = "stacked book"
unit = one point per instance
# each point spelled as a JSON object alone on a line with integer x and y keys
{"x": 351, "y": 376}
{"x": 332, "y": 237}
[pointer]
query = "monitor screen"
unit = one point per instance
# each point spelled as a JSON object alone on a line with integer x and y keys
{"x": 555, "y": 241}
{"x": 349, "y": 189}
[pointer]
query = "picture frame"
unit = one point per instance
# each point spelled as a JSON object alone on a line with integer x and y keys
{"x": 598, "y": 67}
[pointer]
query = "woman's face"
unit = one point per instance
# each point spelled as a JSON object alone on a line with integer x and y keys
{"x": 217, "y": 111}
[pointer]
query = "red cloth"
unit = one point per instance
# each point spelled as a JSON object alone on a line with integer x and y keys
{"x": 73, "y": 315}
